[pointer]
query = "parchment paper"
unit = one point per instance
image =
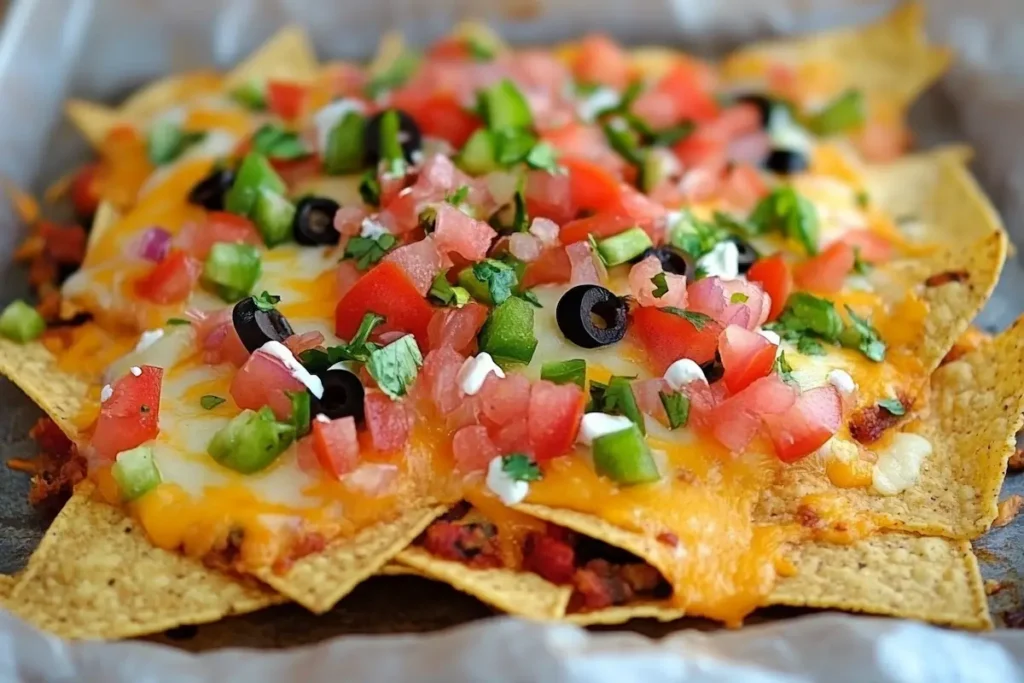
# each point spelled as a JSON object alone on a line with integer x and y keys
{"x": 100, "y": 49}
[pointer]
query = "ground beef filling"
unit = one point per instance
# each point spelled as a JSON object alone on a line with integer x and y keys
{"x": 57, "y": 468}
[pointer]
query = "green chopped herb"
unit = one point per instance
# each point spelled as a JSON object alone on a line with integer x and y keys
{"x": 266, "y": 301}
{"x": 520, "y": 219}
{"x": 670, "y": 136}
{"x": 21, "y": 323}
{"x": 863, "y": 199}
{"x": 519, "y": 467}
{"x": 737, "y": 226}
{"x": 395, "y": 366}
{"x": 807, "y": 313}
{"x": 860, "y": 266}
{"x": 178, "y": 321}
{"x": 391, "y": 152}
{"x": 738, "y": 298}
{"x": 503, "y": 107}
{"x": 400, "y": 69}
{"x": 783, "y": 368}
{"x": 300, "y": 412}
{"x": 250, "y": 95}
{"x": 446, "y": 294}
{"x": 623, "y": 140}
{"x": 810, "y": 346}
{"x": 698, "y": 320}
{"x": 346, "y": 146}
{"x": 369, "y": 250}
{"x": 844, "y": 113}
{"x": 459, "y": 196}
{"x": 167, "y": 141}
{"x": 358, "y": 350}
{"x": 860, "y": 335}
{"x": 677, "y": 408}
{"x": 500, "y": 279}
{"x": 893, "y": 406}
{"x": 512, "y": 145}
{"x": 616, "y": 398}
{"x": 209, "y": 401}
{"x": 531, "y": 298}
{"x": 660, "y": 285}
{"x": 694, "y": 236}
{"x": 790, "y": 213}
{"x": 369, "y": 188}
{"x": 543, "y": 157}
{"x": 275, "y": 142}
{"x": 572, "y": 371}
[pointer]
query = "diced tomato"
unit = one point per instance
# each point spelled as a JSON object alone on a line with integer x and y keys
{"x": 305, "y": 341}
{"x": 437, "y": 382}
{"x": 870, "y": 245}
{"x": 420, "y": 260}
{"x": 451, "y": 47}
{"x": 85, "y": 190}
{"x": 551, "y": 267}
{"x": 701, "y": 149}
{"x": 457, "y": 327}
{"x": 64, "y": 244}
{"x": 746, "y": 356}
{"x": 591, "y": 186}
{"x": 462, "y": 234}
{"x": 602, "y": 61}
{"x": 220, "y": 226}
{"x": 388, "y": 422}
{"x": 744, "y": 187}
{"x": 438, "y": 115}
{"x": 336, "y": 445}
{"x": 504, "y": 401}
{"x": 473, "y": 449}
{"x": 599, "y": 225}
{"x": 550, "y": 558}
{"x": 510, "y": 438}
{"x": 385, "y": 290}
{"x": 684, "y": 93}
{"x": 131, "y": 415}
{"x": 737, "y": 420}
{"x": 774, "y": 276}
{"x": 264, "y": 381}
{"x": 667, "y": 337}
{"x": 170, "y": 281}
{"x": 554, "y": 418}
{"x": 549, "y": 195}
{"x": 294, "y": 171}
{"x": 827, "y": 271}
{"x": 806, "y": 425}
{"x": 286, "y": 99}
{"x": 644, "y": 211}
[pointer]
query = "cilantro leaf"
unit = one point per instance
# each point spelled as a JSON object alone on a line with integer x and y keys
{"x": 698, "y": 320}
{"x": 670, "y": 136}
{"x": 369, "y": 188}
{"x": 178, "y": 321}
{"x": 790, "y": 213}
{"x": 266, "y": 301}
{"x": 783, "y": 369}
{"x": 806, "y": 313}
{"x": 543, "y": 157}
{"x": 810, "y": 346}
{"x": 660, "y": 285}
{"x": 531, "y": 298}
{"x": 739, "y": 298}
{"x": 520, "y": 219}
{"x": 395, "y": 366}
{"x": 459, "y": 196}
{"x": 572, "y": 371}
{"x": 677, "y": 408}
{"x": 860, "y": 266}
{"x": 862, "y": 336}
{"x": 359, "y": 349}
{"x": 519, "y": 467}
{"x": 301, "y": 408}
{"x": 616, "y": 398}
{"x": 368, "y": 250}
{"x": 275, "y": 142}
{"x": 512, "y": 145}
{"x": 740, "y": 226}
{"x": 863, "y": 199}
{"x": 694, "y": 236}
{"x": 893, "y": 406}
{"x": 209, "y": 401}
{"x": 447, "y": 294}
{"x": 499, "y": 277}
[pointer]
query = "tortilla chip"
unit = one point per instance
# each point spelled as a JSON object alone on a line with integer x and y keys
{"x": 105, "y": 217}
{"x": 393, "y": 568}
{"x": 903, "y": 575}
{"x": 319, "y": 581}
{"x": 165, "y": 93}
{"x": 92, "y": 120}
{"x": 891, "y": 57}
{"x": 96, "y": 575}
{"x": 6, "y": 586}
{"x": 522, "y": 594}
{"x": 287, "y": 55}
{"x": 33, "y": 369}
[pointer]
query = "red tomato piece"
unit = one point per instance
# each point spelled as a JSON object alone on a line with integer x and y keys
{"x": 549, "y": 195}
{"x": 870, "y": 245}
{"x": 504, "y": 401}
{"x": 286, "y": 99}
{"x": 775, "y": 278}
{"x": 737, "y": 420}
{"x": 554, "y": 416}
{"x": 599, "y": 225}
{"x": 439, "y": 115}
{"x": 551, "y": 267}
{"x": 385, "y": 290}
{"x": 85, "y": 190}
{"x": 294, "y": 171}
{"x": 746, "y": 356}
{"x": 685, "y": 92}
{"x": 457, "y": 327}
{"x": 473, "y": 449}
{"x": 64, "y": 244}
{"x": 456, "y": 232}
{"x": 220, "y": 226}
{"x": 264, "y": 381}
{"x": 667, "y": 337}
{"x": 592, "y": 186}
{"x": 601, "y": 60}
{"x": 170, "y": 281}
{"x": 131, "y": 415}
{"x": 827, "y": 271}
{"x": 701, "y": 149}
{"x": 336, "y": 445}
{"x": 420, "y": 260}
{"x": 388, "y": 422}
{"x": 451, "y": 47}
{"x": 437, "y": 383}
{"x": 806, "y": 425}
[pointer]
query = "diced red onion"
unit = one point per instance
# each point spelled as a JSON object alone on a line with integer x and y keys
{"x": 524, "y": 247}
{"x": 154, "y": 244}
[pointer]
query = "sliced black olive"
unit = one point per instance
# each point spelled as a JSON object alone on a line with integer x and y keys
{"x": 747, "y": 254}
{"x": 591, "y": 316}
{"x": 713, "y": 369}
{"x": 256, "y": 327}
{"x": 343, "y": 395}
{"x": 672, "y": 260}
{"x": 764, "y": 105}
{"x": 408, "y": 135}
{"x": 209, "y": 192}
{"x": 786, "y": 161}
{"x": 314, "y": 221}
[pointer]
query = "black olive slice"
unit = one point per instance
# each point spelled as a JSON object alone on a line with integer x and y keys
{"x": 408, "y": 135}
{"x": 343, "y": 395}
{"x": 713, "y": 369}
{"x": 313, "y": 224}
{"x": 591, "y": 316}
{"x": 747, "y": 254}
{"x": 675, "y": 261}
{"x": 786, "y": 161}
{"x": 256, "y": 327}
{"x": 209, "y": 192}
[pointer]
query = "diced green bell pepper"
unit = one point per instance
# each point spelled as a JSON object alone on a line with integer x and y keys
{"x": 346, "y": 145}
{"x": 254, "y": 174}
{"x": 135, "y": 472}
{"x": 232, "y": 269}
{"x": 273, "y": 215}
{"x": 625, "y": 458}
{"x": 251, "y": 441}
{"x": 503, "y": 107}
{"x": 250, "y": 94}
{"x": 626, "y": 245}
{"x": 508, "y": 333}
{"x": 478, "y": 154}
{"x": 20, "y": 322}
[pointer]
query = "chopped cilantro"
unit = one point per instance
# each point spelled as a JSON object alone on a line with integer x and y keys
{"x": 740, "y": 226}
{"x": 447, "y": 294}
{"x": 368, "y": 250}
{"x": 512, "y": 145}
{"x": 677, "y": 408}
{"x": 209, "y": 401}
{"x": 863, "y": 199}
{"x": 698, "y": 320}
{"x": 616, "y": 398}
{"x": 670, "y": 136}
{"x": 520, "y": 219}
{"x": 519, "y": 467}
{"x": 178, "y": 321}
{"x": 276, "y": 142}
{"x": 893, "y": 406}
{"x": 300, "y": 412}
{"x": 694, "y": 236}
{"x": 623, "y": 140}
{"x": 660, "y": 285}
{"x": 531, "y": 298}
{"x": 810, "y": 346}
{"x": 806, "y": 313}
{"x": 790, "y": 213}
{"x": 783, "y": 369}
{"x": 572, "y": 371}
{"x": 543, "y": 157}
{"x": 499, "y": 277}
{"x": 860, "y": 266}
{"x": 459, "y": 196}
{"x": 395, "y": 366}
{"x": 369, "y": 188}
{"x": 738, "y": 298}
{"x": 266, "y": 301}
{"x": 860, "y": 335}
{"x": 359, "y": 349}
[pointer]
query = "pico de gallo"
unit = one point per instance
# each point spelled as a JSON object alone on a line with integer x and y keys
{"x": 484, "y": 276}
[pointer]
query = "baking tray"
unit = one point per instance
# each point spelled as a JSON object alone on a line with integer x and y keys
{"x": 53, "y": 49}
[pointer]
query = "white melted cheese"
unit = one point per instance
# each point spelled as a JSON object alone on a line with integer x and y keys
{"x": 899, "y": 466}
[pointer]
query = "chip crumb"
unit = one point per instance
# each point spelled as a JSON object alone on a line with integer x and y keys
{"x": 1016, "y": 461}
{"x": 1008, "y": 509}
{"x": 992, "y": 586}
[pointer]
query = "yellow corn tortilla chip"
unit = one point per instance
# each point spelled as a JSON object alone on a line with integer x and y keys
{"x": 96, "y": 575}
{"x": 319, "y": 581}
{"x": 891, "y": 57}
{"x": 33, "y": 369}
{"x": 163, "y": 94}
{"x": 903, "y": 575}
{"x": 393, "y": 568}
{"x": 522, "y": 594}
{"x": 287, "y": 55}
{"x": 92, "y": 120}
{"x": 6, "y": 586}
{"x": 106, "y": 216}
